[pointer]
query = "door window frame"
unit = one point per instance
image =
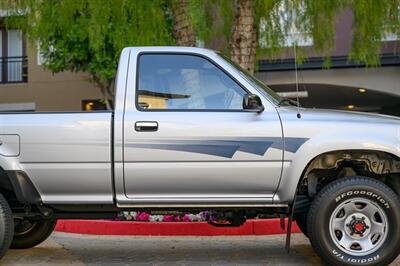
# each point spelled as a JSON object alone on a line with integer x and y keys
{"x": 138, "y": 108}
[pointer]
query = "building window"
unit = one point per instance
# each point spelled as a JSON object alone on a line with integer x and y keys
{"x": 296, "y": 37}
{"x": 40, "y": 56}
{"x": 293, "y": 34}
{"x": 93, "y": 105}
{"x": 391, "y": 31}
{"x": 389, "y": 34}
{"x": 41, "y": 59}
{"x": 13, "y": 62}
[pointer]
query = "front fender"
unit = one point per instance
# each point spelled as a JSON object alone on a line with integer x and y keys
{"x": 334, "y": 141}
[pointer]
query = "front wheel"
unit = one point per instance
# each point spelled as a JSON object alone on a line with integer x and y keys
{"x": 355, "y": 221}
{"x": 29, "y": 233}
{"x": 301, "y": 220}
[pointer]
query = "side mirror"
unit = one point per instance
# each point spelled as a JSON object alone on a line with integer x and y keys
{"x": 252, "y": 103}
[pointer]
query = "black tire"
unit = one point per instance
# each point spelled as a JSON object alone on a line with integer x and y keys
{"x": 326, "y": 211}
{"x": 26, "y": 236}
{"x": 6, "y": 226}
{"x": 301, "y": 220}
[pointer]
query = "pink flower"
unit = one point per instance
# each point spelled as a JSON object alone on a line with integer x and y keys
{"x": 168, "y": 218}
{"x": 143, "y": 216}
{"x": 186, "y": 218}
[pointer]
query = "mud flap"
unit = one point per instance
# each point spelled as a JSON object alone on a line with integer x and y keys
{"x": 289, "y": 225}
{"x": 23, "y": 187}
{"x": 282, "y": 221}
{"x": 289, "y": 230}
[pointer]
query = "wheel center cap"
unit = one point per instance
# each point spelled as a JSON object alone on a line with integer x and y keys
{"x": 359, "y": 228}
{"x": 357, "y": 225}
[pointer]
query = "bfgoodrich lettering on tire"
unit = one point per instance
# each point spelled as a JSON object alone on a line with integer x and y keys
{"x": 355, "y": 221}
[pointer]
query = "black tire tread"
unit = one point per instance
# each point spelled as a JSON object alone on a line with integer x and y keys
{"x": 301, "y": 220}
{"x": 332, "y": 188}
{"x": 7, "y": 216}
{"x": 37, "y": 236}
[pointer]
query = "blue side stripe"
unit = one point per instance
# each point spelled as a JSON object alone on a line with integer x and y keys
{"x": 223, "y": 148}
{"x": 217, "y": 150}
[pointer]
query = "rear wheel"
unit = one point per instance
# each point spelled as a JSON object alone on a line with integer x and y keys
{"x": 6, "y": 226}
{"x": 29, "y": 233}
{"x": 355, "y": 221}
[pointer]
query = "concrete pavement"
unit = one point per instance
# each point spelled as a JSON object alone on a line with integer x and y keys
{"x": 74, "y": 249}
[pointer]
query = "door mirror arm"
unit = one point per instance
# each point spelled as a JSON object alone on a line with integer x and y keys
{"x": 252, "y": 103}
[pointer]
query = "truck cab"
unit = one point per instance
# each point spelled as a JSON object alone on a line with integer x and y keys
{"x": 185, "y": 137}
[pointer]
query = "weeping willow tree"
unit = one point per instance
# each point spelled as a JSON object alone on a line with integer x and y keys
{"x": 88, "y": 35}
{"x": 261, "y": 28}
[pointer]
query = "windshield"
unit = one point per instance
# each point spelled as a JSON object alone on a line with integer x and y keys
{"x": 259, "y": 85}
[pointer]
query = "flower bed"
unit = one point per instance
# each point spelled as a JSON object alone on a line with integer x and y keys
{"x": 204, "y": 216}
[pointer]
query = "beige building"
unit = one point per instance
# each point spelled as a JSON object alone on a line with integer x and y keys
{"x": 26, "y": 86}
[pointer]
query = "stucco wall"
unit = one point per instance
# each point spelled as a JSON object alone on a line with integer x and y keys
{"x": 58, "y": 92}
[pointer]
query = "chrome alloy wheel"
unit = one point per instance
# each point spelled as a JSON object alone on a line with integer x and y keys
{"x": 358, "y": 227}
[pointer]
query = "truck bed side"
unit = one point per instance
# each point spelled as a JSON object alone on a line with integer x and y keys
{"x": 67, "y": 156}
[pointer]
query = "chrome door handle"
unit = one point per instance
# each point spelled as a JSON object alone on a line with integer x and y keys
{"x": 146, "y": 126}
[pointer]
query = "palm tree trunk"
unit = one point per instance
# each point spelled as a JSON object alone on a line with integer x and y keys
{"x": 244, "y": 37}
{"x": 182, "y": 28}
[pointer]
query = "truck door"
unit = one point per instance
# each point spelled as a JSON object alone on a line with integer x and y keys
{"x": 187, "y": 138}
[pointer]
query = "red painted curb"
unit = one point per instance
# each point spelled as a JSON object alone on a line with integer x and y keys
{"x": 102, "y": 227}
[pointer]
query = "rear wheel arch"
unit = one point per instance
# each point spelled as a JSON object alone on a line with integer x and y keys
{"x": 16, "y": 185}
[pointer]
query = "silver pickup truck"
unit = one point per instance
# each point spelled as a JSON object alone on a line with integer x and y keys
{"x": 192, "y": 131}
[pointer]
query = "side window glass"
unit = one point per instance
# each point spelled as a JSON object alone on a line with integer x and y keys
{"x": 185, "y": 82}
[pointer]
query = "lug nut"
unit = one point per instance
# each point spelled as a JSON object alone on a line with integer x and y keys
{"x": 353, "y": 217}
{"x": 363, "y": 218}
